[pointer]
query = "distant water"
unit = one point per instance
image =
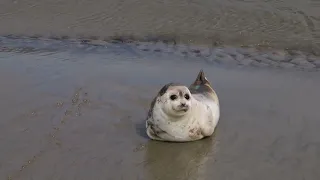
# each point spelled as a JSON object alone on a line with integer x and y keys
{"x": 276, "y": 23}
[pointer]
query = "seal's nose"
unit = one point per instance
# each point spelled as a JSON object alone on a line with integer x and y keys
{"x": 183, "y": 104}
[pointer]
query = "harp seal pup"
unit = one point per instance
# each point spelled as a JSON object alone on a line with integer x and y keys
{"x": 181, "y": 114}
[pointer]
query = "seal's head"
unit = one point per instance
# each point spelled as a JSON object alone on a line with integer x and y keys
{"x": 174, "y": 99}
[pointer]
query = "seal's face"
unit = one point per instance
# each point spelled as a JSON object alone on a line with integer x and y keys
{"x": 177, "y": 101}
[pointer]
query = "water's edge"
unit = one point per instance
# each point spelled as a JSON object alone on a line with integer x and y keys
{"x": 215, "y": 54}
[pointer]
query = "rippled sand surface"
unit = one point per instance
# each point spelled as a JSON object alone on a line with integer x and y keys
{"x": 276, "y": 23}
{"x": 79, "y": 114}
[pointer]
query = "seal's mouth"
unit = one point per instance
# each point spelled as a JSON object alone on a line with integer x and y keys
{"x": 182, "y": 109}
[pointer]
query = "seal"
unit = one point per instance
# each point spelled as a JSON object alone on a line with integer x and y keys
{"x": 180, "y": 114}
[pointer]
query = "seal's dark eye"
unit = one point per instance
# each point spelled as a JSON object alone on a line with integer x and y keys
{"x": 173, "y": 97}
{"x": 187, "y": 96}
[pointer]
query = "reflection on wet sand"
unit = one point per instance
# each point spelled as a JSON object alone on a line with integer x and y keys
{"x": 179, "y": 161}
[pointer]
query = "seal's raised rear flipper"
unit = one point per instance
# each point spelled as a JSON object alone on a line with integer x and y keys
{"x": 202, "y": 86}
{"x": 201, "y": 79}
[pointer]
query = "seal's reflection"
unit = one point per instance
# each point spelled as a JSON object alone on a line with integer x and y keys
{"x": 175, "y": 161}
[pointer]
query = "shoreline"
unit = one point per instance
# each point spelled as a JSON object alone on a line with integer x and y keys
{"x": 215, "y": 54}
{"x": 306, "y": 47}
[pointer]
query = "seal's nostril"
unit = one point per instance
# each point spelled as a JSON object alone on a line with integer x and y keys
{"x": 183, "y": 104}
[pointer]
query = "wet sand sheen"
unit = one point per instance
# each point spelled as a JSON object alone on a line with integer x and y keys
{"x": 80, "y": 115}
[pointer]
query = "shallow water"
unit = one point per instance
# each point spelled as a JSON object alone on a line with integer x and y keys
{"x": 276, "y": 23}
{"x": 71, "y": 114}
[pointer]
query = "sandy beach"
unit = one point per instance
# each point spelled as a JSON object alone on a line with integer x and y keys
{"x": 75, "y": 114}
{"x": 74, "y": 92}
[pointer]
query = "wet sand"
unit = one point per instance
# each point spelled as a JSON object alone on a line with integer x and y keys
{"x": 79, "y": 114}
{"x": 280, "y": 24}
{"x": 73, "y": 102}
